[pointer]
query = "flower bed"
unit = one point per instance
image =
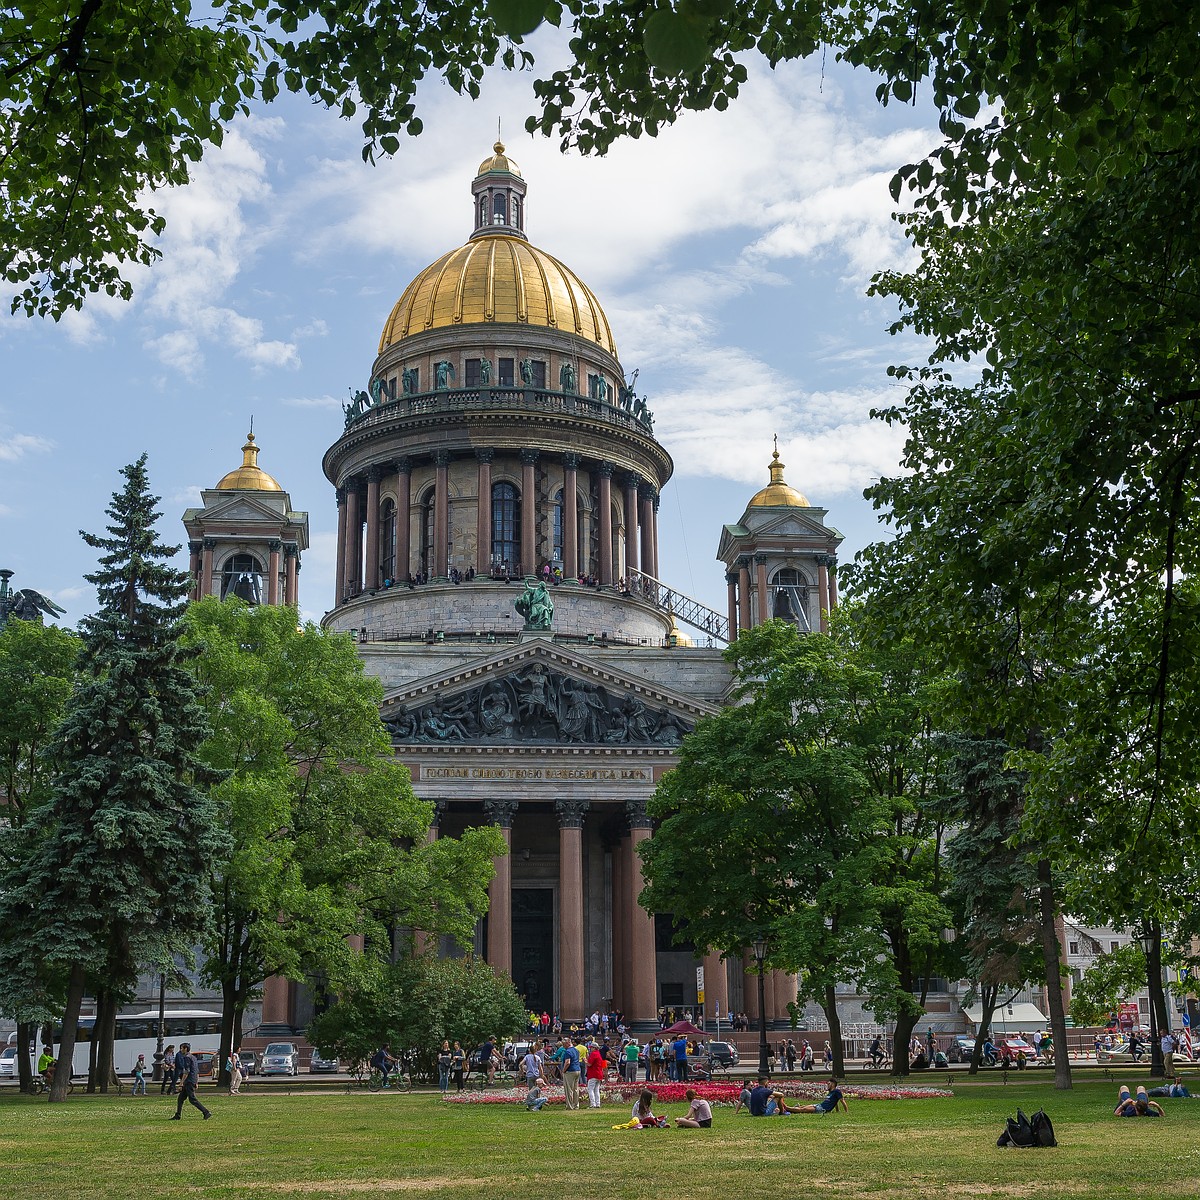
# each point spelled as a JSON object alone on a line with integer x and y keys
{"x": 714, "y": 1093}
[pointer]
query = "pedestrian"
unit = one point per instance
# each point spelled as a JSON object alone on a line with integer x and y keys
{"x": 534, "y": 1100}
{"x": 570, "y": 1074}
{"x": 234, "y": 1066}
{"x": 189, "y": 1080}
{"x": 595, "y": 1074}
{"x": 1168, "y": 1044}
{"x": 167, "y": 1083}
{"x": 445, "y": 1064}
{"x": 139, "y": 1076}
{"x": 458, "y": 1061}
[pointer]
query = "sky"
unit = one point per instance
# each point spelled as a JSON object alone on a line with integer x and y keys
{"x": 731, "y": 254}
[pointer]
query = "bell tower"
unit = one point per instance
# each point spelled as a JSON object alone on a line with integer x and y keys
{"x": 499, "y": 192}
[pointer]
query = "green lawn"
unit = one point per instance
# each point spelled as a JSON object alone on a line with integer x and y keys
{"x": 333, "y": 1144}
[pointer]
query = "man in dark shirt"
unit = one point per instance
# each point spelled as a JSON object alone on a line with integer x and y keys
{"x": 188, "y": 1072}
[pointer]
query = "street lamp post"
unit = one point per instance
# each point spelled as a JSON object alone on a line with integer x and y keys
{"x": 760, "y": 955}
{"x": 1149, "y": 942}
{"x": 157, "y": 1073}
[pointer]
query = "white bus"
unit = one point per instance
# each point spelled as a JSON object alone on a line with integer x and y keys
{"x": 137, "y": 1033}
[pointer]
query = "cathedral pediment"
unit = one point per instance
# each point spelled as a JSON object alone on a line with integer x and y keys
{"x": 540, "y": 694}
{"x": 793, "y": 525}
{"x": 241, "y": 508}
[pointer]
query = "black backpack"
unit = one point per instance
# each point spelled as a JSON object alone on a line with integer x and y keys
{"x": 1018, "y": 1132}
{"x": 1043, "y": 1130}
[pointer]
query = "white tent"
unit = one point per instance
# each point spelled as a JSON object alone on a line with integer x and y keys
{"x": 1010, "y": 1018}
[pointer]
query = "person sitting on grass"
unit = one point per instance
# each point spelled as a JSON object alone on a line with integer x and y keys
{"x": 534, "y": 1100}
{"x": 643, "y": 1116}
{"x": 831, "y": 1103}
{"x": 1136, "y": 1106}
{"x": 766, "y": 1102}
{"x": 699, "y": 1114}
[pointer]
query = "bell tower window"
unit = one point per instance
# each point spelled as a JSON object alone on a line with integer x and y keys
{"x": 242, "y": 577}
{"x": 500, "y": 209}
{"x": 506, "y": 527}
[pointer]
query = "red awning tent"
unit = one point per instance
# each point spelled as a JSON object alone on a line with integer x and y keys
{"x": 684, "y": 1027}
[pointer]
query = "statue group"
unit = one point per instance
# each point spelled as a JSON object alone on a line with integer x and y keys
{"x": 24, "y": 605}
{"x": 539, "y": 705}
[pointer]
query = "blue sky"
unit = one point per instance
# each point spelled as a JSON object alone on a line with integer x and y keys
{"x": 731, "y": 255}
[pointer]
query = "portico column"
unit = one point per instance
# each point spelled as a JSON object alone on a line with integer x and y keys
{"x": 371, "y": 578}
{"x": 646, "y": 496}
{"x": 604, "y": 472}
{"x": 631, "y": 523}
{"x": 643, "y": 990}
{"x": 619, "y": 929}
{"x": 483, "y": 518}
{"x": 353, "y": 541}
{"x": 276, "y": 1004}
{"x": 833, "y": 601}
{"x": 750, "y": 989}
{"x": 760, "y": 579}
{"x": 571, "y": 815}
{"x": 340, "y": 573}
{"x": 194, "y": 569}
{"x": 570, "y": 531}
{"x": 529, "y": 563}
{"x": 206, "y": 569}
{"x": 731, "y": 580}
{"x": 716, "y": 986}
{"x": 744, "y": 621}
{"x": 274, "y": 548}
{"x": 654, "y": 536}
{"x": 499, "y": 942}
{"x": 403, "y": 517}
{"x": 441, "y": 516}
{"x": 291, "y": 574}
{"x": 823, "y": 590}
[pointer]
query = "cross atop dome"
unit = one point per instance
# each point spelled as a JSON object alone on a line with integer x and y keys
{"x": 499, "y": 193}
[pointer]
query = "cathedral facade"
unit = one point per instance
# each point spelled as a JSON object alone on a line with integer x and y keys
{"x": 497, "y": 490}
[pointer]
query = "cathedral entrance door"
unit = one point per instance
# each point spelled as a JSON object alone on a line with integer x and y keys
{"x": 533, "y": 946}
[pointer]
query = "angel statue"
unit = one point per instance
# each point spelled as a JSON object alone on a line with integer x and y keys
{"x": 25, "y": 605}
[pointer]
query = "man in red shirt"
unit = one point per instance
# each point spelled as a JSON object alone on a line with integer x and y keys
{"x": 595, "y": 1074}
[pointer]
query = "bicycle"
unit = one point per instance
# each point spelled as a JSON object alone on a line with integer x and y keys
{"x": 372, "y": 1080}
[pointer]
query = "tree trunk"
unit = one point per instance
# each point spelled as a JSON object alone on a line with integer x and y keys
{"x": 229, "y": 1030}
{"x": 105, "y": 1034}
{"x": 66, "y": 1049}
{"x": 1052, "y": 959}
{"x": 835, "y": 1032}
{"x": 26, "y": 1033}
{"x": 988, "y": 996}
{"x": 905, "y": 1024}
{"x": 1158, "y": 994}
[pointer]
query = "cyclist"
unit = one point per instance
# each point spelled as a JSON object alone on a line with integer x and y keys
{"x": 383, "y": 1062}
{"x": 45, "y": 1066}
{"x": 875, "y": 1051}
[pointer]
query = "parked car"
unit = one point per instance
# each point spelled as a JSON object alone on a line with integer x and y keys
{"x": 319, "y": 1064}
{"x": 8, "y": 1062}
{"x": 280, "y": 1058}
{"x": 206, "y": 1063}
{"x": 249, "y": 1061}
{"x": 722, "y": 1054}
{"x": 1011, "y": 1049}
{"x": 961, "y": 1049}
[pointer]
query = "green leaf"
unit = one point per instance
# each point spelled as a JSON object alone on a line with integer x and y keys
{"x": 516, "y": 18}
{"x": 676, "y": 44}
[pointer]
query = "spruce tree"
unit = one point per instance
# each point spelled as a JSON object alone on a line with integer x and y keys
{"x": 118, "y": 859}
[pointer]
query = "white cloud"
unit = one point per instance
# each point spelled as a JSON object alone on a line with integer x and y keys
{"x": 186, "y": 497}
{"x": 326, "y": 401}
{"x": 16, "y": 446}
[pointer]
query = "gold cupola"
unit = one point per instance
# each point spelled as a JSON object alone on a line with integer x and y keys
{"x": 497, "y": 277}
{"x": 249, "y": 477}
{"x": 777, "y": 493}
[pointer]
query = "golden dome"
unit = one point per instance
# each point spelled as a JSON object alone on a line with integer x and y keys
{"x": 777, "y": 494}
{"x": 499, "y": 162}
{"x": 499, "y": 280}
{"x": 676, "y": 636}
{"x": 249, "y": 477}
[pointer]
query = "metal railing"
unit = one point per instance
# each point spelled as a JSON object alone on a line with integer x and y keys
{"x": 684, "y": 608}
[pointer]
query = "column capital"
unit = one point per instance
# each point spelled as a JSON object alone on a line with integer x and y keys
{"x": 441, "y": 458}
{"x": 210, "y": 543}
{"x": 638, "y": 817}
{"x": 275, "y": 546}
{"x": 647, "y": 491}
{"x": 485, "y": 454}
{"x": 374, "y": 474}
{"x": 731, "y": 577}
{"x": 571, "y": 460}
{"x": 341, "y": 496}
{"x": 529, "y": 457}
{"x": 571, "y": 813}
{"x": 605, "y": 468}
{"x": 501, "y": 812}
{"x": 633, "y": 481}
{"x": 291, "y": 550}
{"x": 403, "y": 466}
{"x": 760, "y": 558}
{"x": 195, "y": 547}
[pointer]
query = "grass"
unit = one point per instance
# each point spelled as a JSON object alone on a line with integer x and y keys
{"x": 331, "y": 1144}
